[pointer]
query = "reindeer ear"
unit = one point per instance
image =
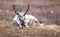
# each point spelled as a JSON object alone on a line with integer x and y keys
{"x": 26, "y": 10}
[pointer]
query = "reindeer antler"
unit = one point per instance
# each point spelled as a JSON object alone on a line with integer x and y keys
{"x": 26, "y": 10}
{"x": 15, "y": 9}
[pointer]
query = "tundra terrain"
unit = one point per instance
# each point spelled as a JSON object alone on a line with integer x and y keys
{"x": 46, "y": 11}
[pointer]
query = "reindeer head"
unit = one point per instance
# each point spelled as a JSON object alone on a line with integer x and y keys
{"x": 19, "y": 13}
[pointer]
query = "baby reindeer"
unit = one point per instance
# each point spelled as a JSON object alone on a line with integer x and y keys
{"x": 23, "y": 19}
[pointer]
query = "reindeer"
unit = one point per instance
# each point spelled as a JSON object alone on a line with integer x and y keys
{"x": 23, "y": 19}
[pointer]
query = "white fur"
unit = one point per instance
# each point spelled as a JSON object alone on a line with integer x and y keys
{"x": 29, "y": 19}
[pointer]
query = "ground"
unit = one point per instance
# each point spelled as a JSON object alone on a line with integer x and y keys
{"x": 9, "y": 29}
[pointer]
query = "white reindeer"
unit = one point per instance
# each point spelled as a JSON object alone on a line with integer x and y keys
{"x": 23, "y": 19}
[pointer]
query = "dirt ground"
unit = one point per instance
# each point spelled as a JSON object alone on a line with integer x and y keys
{"x": 46, "y": 11}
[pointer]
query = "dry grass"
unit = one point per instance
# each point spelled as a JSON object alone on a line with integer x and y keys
{"x": 9, "y": 29}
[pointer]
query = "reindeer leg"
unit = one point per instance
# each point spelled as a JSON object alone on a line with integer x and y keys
{"x": 20, "y": 26}
{"x": 26, "y": 25}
